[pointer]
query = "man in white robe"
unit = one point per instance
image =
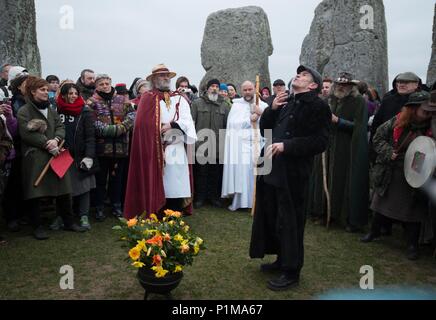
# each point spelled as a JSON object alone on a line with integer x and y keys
{"x": 242, "y": 147}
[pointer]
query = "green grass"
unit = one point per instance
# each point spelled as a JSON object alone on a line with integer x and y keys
{"x": 29, "y": 269}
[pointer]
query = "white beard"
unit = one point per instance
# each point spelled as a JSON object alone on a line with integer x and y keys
{"x": 213, "y": 97}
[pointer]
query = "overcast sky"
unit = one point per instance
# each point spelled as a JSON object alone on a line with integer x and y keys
{"x": 127, "y": 38}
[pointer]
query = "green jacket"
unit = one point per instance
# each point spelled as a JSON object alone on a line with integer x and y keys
{"x": 209, "y": 115}
{"x": 35, "y": 157}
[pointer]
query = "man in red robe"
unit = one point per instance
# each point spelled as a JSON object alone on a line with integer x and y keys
{"x": 159, "y": 172}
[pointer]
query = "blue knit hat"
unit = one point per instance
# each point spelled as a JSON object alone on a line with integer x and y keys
{"x": 223, "y": 87}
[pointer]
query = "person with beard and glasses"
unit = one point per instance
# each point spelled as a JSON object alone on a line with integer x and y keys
{"x": 80, "y": 141}
{"x": 240, "y": 148}
{"x": 394, "y": 199}
{"x": 209, "y": 113}
{"x": 41, "y": 132}
{"x": 114, "y": 117}
{"x": 299, "y": 126}
{"x": 14, "y": 207}
{"x": 160, "y": 176}
{"x": 348, "y": 167}
{"x": 86, "y": 83}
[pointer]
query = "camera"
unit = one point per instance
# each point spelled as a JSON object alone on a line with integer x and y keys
{"x": 185, "y": 90}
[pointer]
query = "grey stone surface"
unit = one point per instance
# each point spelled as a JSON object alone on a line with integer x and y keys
{"x": 337, "y": 42}
{"x": 18, "y": 43}
{"x": 236, "y": 46}
{"x": 431, "y": 74}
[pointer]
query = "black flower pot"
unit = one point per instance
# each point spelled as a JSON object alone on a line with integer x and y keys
{"x": 152, "y": 284}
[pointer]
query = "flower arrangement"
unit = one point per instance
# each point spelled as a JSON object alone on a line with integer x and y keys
{"x": 164, "y": 246}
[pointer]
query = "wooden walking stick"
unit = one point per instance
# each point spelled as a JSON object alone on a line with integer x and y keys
{"x": 256, "y": 145}
{"x": 326, "y": 189}
{"x": 47, "y": 166}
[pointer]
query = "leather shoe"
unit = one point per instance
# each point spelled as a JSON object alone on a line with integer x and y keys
{"x": 270, "y": 267}
{"x": 40, "y": 233}
{"x": 75, "y": 228}
{"x": 283, "y": 282}
{"x": 412, "y": 253}
{"x": 198, "y": 204}
{"x": 369, "y": 237}
{"x": 116, "y": 211}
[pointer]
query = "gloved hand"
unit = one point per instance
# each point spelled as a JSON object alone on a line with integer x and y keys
{"x": 87, "y": 162}
{"x": 54, "y": 151}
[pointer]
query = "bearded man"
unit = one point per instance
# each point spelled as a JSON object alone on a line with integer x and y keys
{"x": 240, "y": 148}
{"x": 209, "y": 113}
{"x": 348, "y": 172}
{"x": 159, "y": 174}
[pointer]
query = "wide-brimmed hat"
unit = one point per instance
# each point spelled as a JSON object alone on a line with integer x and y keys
{"x": 346, "y": 78}
{"x": 160, "y": 69}
{"x": 418, "y": 98}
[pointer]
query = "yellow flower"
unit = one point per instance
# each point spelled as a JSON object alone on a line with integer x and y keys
{"x": 154, "y": 217}
{"x": 141, "y": 244}
{"x": 182, "y": 223}
{"x": 165, "y": 219}
{"x": 160, "y": 272}
{"x": 166, "y": 236}
{"x": 134, "y": 253}
{"x": 124, "y": 238}
{"x": 178, "y": 269}
{"x": 199, "y": 241}
{"x": 196, "y": 249}
{"x": 177, "y": 214}
{"x": 163, "y": 253}
{"x": 171, "y": 223}
{"x": 178, "y": 237}
{"x": 186, "y": 228}
{"x": 132, "y": 222}
{"x": 138, "y": 264}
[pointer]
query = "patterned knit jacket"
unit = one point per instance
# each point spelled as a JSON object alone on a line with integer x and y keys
{"x": 114, "y": 120}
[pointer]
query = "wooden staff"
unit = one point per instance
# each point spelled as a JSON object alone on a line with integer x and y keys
{"x": 47, "y": 166}
{"x": 326, "y": 189}
{"x": 256, "y": 145}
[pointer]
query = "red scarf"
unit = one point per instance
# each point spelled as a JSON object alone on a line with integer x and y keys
{"x": 70, "y": 109}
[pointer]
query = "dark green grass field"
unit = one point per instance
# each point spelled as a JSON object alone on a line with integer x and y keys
{"x": 29, "y": 269}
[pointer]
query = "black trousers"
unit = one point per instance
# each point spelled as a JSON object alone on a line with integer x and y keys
{"x": 110, "y": 178}
{"x": 412, "y": 229}
{"x": 208, "y": 180}
{"x": 64, "y": 209}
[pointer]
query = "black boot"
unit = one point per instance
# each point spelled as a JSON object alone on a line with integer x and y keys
{"x": 116, "y": 210}
{"x": 285, "y": 281}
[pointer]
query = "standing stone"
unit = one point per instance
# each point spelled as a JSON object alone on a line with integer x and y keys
{"x": 349, "y": 36}
{"x": 18, "y": 44}
{"x": 236, "y": 46}
{"x": 431, "y": 74}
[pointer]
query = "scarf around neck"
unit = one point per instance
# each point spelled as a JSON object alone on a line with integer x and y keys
{"x": 71, "y": 109}
{"x": 106, "y": 96}
{"x": 41, "y": 105}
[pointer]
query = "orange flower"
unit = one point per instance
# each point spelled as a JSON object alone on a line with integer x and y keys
{"x": 132, "y": 222}
{"x": 167, "y": 237}
{"x": 156, "y": 240}
{"x": 157, "y": 260}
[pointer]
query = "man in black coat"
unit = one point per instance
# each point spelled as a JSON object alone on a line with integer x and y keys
{"x": 300, "y": 127}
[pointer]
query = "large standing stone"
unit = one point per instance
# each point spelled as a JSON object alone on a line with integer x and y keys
{"x": 18, "y": 44}
{"x": 341, "y": 39}
{"x": 431, "y": 74}
{"x": 236, "y": 46}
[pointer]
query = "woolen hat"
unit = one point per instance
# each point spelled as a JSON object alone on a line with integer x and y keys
{"x": 16, "y": 72}
{"x": 211, "y": 82}
{"x": 223, "y": 87}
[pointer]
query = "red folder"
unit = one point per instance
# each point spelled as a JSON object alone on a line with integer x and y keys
{"x": 62, "y": 163}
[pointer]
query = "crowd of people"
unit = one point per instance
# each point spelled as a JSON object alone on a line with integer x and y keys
{"x": 337, "y": 152}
